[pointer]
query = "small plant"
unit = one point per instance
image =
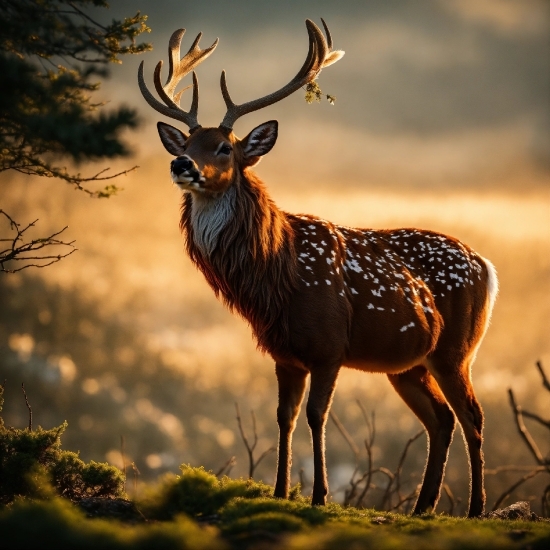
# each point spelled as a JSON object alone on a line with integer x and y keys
{"x": 314, "y": 93}
{"x": 29, "y": 458}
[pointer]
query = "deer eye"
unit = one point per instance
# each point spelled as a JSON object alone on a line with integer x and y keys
{"x": 225, "y": 149}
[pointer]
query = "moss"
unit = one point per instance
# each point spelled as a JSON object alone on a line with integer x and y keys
{"x": 197, "y": 492}
{"x": 240, "y": 509}
{"x": 56, "y": 524}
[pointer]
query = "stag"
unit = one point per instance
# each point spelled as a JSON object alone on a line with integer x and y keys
{"x": 411, "y": 303}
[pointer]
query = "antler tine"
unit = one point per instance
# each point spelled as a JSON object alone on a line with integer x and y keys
{"x": 319, "y": 55}
{"x": 178, "y": 68}
{"x": 327, "y": 32}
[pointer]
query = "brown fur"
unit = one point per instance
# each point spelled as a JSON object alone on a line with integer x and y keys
{"x": 253, "y": 268}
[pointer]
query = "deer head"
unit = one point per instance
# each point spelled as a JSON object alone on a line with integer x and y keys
{"x": 208, "y": 159}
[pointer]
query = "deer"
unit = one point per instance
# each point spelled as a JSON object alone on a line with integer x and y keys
{"x": 413, "y": 304}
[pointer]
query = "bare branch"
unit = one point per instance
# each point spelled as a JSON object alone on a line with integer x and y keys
{"x": 405, "y": 500}
{"x": 252, "y": 464}
{"x": 27, "y": 252}
{"x": 123, "y": 456}
{"x": 301, "y": 473}
{"x": 346, "y": 436}
{"x": 511, "y": 468}
{"x": 523, "y": 431}
{"x": 546, "y": 501}
{"x": 451, "y": 498}
{"x": 136, "y": 474}
{"x": 28, "y": 406}
{"x": 227, "y": 466}
{"x": 510, "y": 490}
{"x": 369, "y": 444}
{"x": 402, "y": 461}
{"x": 545, "y": 380}
{"x": 539, "y": 419}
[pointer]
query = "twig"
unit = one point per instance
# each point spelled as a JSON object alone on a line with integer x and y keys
{"x": 402, "y": 460}
{"x": 507, "y": 493}
{"x": 403, "y": 500}
{"x": 546, "y": 501}
{"x": 28, "y": 406}
{"x": 545, "y": 380}
{"x": 346, "y": 436}
{"x": 511, "y": 468}
{"x": 226, "y": 468}
{"x": 369, "y": 444}
{"x": 252, "y": 464}
{"x": 387, "y": 496}
{"x": 122, "y": 454}
{"x": 20, "y": 251}
{"x": 349, "y": 494}
{"x": 539, "y": 419}
{"x": 136, "y": 473}
{"x": 451, "y": 498}
{"x": 302, "y": 476}
{"x": 523, "y": 431}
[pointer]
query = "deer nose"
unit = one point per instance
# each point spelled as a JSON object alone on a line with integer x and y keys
{"x": 181, "y": 165}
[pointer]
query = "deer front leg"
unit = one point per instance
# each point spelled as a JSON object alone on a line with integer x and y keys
{"x": 292, "y": 386}
{"x": 323, "y": 384}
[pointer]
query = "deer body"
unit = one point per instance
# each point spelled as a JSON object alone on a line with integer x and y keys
{"x": 410, "y": 303}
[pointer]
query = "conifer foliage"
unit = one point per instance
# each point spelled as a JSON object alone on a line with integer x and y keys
{"x": 51, "y": 56}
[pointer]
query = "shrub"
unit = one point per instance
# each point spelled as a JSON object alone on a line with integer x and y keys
{"x": 26, "y": 457}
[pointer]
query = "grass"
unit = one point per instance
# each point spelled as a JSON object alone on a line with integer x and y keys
{"x": 196, "y": 510}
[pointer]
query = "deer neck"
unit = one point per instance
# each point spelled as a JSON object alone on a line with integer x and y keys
{"x": 209, "y": 218}
{"x": 244, "y": 246}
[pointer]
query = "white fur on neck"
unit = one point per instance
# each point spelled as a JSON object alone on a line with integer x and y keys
{"x": 209, "y": 216}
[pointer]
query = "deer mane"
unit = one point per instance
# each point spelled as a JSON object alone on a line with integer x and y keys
{"x": 250, "y": 261}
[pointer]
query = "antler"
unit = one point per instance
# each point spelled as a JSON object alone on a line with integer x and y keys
{"x": 178, "y": 68}
{"x": 320, "y": 55}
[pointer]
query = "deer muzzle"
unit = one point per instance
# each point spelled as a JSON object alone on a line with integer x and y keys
{"x": 186, "y": 173}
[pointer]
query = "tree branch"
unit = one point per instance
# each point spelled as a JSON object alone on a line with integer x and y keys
{"x": 523, "y": 431}
{"x": 545, "y": 380}
{"x": 511, "y": 489}
{"x": 252, "y": 464}
{"x": 21, "y": 251}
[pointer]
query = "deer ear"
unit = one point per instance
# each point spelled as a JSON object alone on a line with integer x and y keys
{"x": 172, "y": 139}
{"x": 259, "y": 142}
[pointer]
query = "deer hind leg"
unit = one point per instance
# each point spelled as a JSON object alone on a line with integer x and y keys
{"x": 292, "y": 386}
{"x": 418, "y": 388}
{"x": 457, "y": 387}
{"x": 323, "y": 384}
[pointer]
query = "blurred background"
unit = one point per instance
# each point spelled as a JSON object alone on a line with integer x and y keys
{"x": 442, "y": 121}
